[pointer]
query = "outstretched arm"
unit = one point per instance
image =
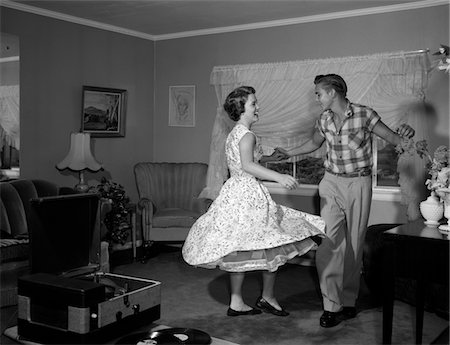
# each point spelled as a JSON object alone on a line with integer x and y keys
{"x": 395, "y": 138}
{"x": 246, "y": 146}
{"x": 309, "y": 146}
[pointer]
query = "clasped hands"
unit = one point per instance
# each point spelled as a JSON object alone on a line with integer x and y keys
{"x": 287, "y": 181}
{"x": 279, "y": 154}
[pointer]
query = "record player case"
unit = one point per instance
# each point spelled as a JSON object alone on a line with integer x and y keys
{"x": 62, "y": 304}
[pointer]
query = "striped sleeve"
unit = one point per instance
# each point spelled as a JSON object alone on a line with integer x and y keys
{"x": 319, "y": 126}
{"x": 372, "y": 119}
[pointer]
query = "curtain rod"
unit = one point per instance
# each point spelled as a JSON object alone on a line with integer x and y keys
{"x": 10, "y": 59}
{"x": 417, "y": 51}
{"x": 219, "y": 69}
{"x": 407, "y": 53}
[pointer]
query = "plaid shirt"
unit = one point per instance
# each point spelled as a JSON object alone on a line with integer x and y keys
{"x": 349, "y": 148}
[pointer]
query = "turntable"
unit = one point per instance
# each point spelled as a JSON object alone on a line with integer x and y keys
{"x": 66, "y": 300}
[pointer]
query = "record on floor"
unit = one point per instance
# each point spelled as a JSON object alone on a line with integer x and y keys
{"x": 168, "y": 336}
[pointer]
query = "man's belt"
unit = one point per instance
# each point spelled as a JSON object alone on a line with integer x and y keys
{"x": 359, "y": 173}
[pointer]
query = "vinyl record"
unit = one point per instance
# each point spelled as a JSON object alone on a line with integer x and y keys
{"x": 168, "y": 336}
{"x": 148, "y": 338}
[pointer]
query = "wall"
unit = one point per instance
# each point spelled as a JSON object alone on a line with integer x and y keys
{"x": 9, "y": 71}
{"x": 56, "y": 59}
{"x": 190, "y": 61}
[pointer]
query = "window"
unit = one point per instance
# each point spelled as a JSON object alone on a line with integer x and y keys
{"x": 395, "y": 79}
{"x": 385, "y": 165}
{"x": 9, "y": 107}
{"x": 309, "y": 170}
{"x": 9, "y": 159}
{"x": 9, "y": 156}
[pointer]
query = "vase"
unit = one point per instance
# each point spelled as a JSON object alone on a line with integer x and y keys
{"x": 444, "y": 194}
{"x": 432, "y": 210}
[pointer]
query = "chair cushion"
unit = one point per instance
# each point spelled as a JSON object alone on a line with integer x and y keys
{"x": 13, "y": 250}
{"x": 174, "y": 217}
{"x": 13, "y": 218}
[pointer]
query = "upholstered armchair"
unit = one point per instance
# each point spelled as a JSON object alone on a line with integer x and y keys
{"x": 168, "y": 199}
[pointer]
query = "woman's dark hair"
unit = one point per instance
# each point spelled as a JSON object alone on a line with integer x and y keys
{"x": 235, "y": 102}
{"x": 332, "y": 81}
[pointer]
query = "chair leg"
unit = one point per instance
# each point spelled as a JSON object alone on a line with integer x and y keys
{"x": 149, "y": 251}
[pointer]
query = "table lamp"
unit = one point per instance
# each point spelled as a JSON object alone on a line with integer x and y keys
{"x": 80, "y": 158}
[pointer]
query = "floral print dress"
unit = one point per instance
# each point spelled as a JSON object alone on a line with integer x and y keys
{"x": 244, "y": 229}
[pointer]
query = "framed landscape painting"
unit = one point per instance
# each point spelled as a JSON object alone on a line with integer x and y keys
{"x": 103, "y": 111}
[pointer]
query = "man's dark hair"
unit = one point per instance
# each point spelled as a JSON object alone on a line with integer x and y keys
{"x": 332, "y": 81}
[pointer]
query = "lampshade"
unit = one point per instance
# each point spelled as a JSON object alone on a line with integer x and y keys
{"x": 79, "y": 157}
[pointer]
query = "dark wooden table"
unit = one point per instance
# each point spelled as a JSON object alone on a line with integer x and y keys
{"x": 414, "y": 251}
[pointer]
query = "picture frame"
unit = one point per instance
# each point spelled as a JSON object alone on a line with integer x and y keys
{"x": 103, "y": 111}
{"x": 182, "y": 106}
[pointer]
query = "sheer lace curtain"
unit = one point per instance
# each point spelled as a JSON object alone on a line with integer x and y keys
{"x": 389, "y": 83}
{"x": 9, "y": 116}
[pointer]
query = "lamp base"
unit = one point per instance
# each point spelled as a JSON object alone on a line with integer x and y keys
{"x": 81, "y": 188}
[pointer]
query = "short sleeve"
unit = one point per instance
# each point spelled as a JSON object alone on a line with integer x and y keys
{"x": 372, "y": 119}
{"x": 319, "y": 126}
{"x": 240, "y": 132}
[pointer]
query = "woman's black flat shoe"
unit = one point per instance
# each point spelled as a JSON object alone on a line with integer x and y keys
{"x": 232, "y": 312}
{"x": 266, "y": 307}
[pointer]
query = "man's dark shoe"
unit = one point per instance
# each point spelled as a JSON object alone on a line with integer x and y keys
{"x": 330, "y": 319}
{"x": 348, "y": 313}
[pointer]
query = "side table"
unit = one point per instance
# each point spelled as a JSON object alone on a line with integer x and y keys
{"x": 414, "y": 251}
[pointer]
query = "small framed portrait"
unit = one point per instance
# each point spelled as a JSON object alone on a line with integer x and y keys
{"x": 104, "y": 111}
{"x": 182, "y": 106}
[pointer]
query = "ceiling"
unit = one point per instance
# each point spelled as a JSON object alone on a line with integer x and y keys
{"x": 164, "y": 19}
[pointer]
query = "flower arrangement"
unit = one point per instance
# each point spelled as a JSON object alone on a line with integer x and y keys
{"x": 115, "y": 220}
{"x": 437, "y": 165}
{"x": 444, "y": 61}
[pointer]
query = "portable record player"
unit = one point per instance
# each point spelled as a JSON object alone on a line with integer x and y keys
{"x": 66, "y": 300}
